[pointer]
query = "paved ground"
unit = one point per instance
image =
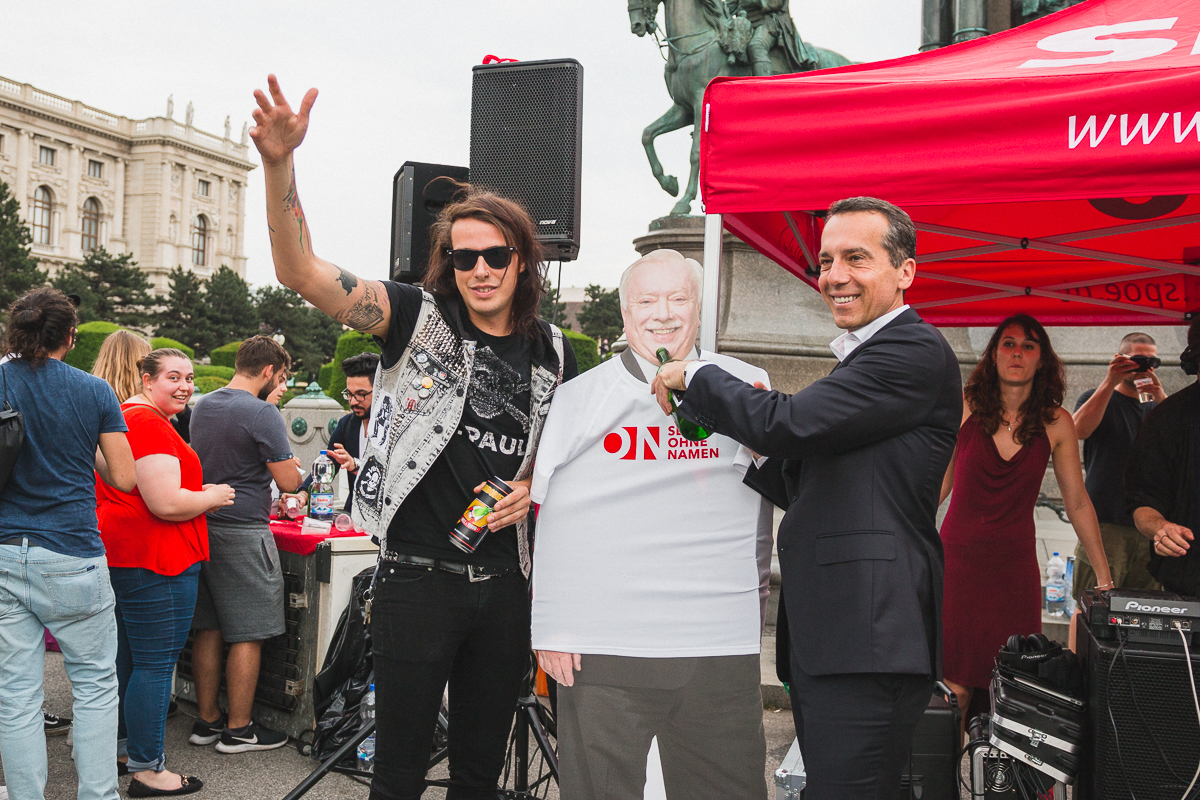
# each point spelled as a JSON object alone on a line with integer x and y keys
{"x": 272, "y": 775}
{"x": 269, "y": 775}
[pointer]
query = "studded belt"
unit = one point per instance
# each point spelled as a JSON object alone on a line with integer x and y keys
{"x": 474, "y": 573}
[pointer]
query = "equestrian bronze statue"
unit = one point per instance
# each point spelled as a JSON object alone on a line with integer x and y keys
{"x": 705, "y": 39}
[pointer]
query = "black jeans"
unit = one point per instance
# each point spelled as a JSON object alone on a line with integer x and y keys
{"x": 430, "y": 627}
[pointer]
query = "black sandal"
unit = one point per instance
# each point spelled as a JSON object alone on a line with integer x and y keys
{"x": 187, "y": 786}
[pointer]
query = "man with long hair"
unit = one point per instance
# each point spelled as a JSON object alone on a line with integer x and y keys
{"x": 465, "y": 381}
{"x": 856, "y": 459}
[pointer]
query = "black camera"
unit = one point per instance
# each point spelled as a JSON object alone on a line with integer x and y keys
{"x": 1146, "y": 362}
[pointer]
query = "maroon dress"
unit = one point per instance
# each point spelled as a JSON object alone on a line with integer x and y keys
{"x": 993, "y": 586}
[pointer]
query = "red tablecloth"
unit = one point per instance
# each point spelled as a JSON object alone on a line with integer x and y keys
{"x": 289, "y": 538}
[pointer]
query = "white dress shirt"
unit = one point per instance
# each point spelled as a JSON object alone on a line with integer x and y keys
{"x": 845, "y": 344}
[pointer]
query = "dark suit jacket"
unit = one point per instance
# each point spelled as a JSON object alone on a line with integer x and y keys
{"x": 857, "y": 460}
{"x": 344, "y": 433}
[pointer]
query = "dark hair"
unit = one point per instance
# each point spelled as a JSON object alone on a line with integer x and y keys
{"x": 900, "y": 238}
{"x": 152, "y": 363}
{"x": 982, "y": 391}
{"x": 39, "y": 322}
{"x": 518, "y": 230}
{"x": 361, "y": 366}
{"x": 1135, "y": 338}
{"x": 258, "y": 352}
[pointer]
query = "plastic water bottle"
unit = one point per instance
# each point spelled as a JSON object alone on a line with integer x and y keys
{"x": 1056, "y": 587}
{"x": 1069, "y": 580}
{"x": 366, "y": 748}
{"x": 320, "y": 495}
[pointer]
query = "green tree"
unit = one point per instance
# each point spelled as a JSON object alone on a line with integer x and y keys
{"x": 547, "y": 309}
{"x": 18, "y": 269}
{"x": 184, "y": 315}
{"x": 229, "y": 309}
{"x": 111, "y": 288}
{"x": 350, "y": 343}
{"x": 310, "y": 336}
{"x": 600, "y": 316}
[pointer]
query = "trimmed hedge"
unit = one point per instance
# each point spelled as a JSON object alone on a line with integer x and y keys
{"x": 350, "y": 343}
{"x": 224, "y": 355}
{"x": 87, "y": 345}
{"x": 325, "y": 375}
{"x": 587, "y": 351}
{"x": 210, "y": 383}
{"x": 162, "y": 341}
{"x": 211, "y": 371}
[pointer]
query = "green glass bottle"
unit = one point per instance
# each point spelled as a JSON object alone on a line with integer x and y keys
{"x": 687, "y": 429}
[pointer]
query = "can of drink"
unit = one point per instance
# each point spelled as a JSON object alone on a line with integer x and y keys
{"x": 472, "y": 526}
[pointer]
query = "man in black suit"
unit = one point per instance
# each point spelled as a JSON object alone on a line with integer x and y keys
{"x": 346, "y": 441}
{"x": 857, "y": 461}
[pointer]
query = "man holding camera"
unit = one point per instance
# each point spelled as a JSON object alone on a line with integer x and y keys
{"x": 1107, "y": 419}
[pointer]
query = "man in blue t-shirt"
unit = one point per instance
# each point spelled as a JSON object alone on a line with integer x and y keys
{"x": 53, "y": 572}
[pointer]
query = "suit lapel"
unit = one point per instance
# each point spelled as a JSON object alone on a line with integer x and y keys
{"x": 907, "y": 317}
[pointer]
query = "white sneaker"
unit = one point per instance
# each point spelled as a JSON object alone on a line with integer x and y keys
{"x": 3, "y": 793}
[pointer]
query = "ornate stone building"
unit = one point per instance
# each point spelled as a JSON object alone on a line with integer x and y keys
{"x": 166, "y": 192}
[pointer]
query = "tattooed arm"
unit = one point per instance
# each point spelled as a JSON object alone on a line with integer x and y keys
{"x": 357, "y": 303}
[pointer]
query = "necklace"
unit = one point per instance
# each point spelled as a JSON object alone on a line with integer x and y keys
{"x": 1009, "y": 425}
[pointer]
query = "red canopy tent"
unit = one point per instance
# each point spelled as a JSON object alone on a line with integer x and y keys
{"x": 1053, "y": 168}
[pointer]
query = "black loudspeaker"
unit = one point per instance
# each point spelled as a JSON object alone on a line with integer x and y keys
{"x": 932, "y": 769}
{"x": 1145, "y": 738}
{"x": 417, "y": 198}
{"x": 527, "y": 143}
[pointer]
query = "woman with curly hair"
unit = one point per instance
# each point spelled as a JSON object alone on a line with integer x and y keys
{"x": 1013, "y": 423}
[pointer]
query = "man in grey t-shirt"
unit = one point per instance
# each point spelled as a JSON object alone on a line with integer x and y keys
{"x": 242, "y": 441}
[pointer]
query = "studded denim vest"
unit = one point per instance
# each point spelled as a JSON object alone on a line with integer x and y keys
{"x": 417, "y": 405}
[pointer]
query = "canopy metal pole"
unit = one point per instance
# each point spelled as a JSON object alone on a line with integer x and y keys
{"x": 710, "y": 298}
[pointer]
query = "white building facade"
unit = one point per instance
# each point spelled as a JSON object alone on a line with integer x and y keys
{"x": 167, "y": 193}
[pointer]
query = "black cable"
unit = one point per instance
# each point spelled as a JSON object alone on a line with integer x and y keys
{"x": 1108, "y": 705}
{"x": 970, "y": 771}
{"x": 557, "y": 293}
{"x": 1146, "y": 725}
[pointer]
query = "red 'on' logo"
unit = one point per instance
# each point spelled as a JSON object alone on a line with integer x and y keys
{"x": 625, "y": 442}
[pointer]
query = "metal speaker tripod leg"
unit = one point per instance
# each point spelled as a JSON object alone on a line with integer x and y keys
{"x": 330, "y": 763}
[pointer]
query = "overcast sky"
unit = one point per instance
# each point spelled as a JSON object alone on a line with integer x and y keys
{"x": 395, "y": 83}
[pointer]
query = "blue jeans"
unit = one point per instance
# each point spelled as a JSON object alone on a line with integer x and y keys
{"x": 72, "y": 597}
{"x": 154, "y": 613}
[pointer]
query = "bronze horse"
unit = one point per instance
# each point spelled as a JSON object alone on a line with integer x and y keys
{"x": 694, "y": 32}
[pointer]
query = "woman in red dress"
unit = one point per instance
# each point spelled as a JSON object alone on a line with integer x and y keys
{"x": 1013, "y": 423}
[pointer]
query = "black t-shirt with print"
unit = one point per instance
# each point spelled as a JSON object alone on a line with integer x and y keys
{"x": 490, "y": 441}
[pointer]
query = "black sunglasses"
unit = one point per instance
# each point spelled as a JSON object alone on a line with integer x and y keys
{"x": 494, "y": 257}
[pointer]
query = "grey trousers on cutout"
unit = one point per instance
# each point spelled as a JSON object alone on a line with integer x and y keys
{"x": 706, "y": 713}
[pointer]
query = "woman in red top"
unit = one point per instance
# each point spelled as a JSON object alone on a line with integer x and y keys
{"x": 1013, "y": 424}
{"x": 155, "y": 538}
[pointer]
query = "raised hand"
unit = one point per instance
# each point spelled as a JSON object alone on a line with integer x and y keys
{"x": 277, "y": 130}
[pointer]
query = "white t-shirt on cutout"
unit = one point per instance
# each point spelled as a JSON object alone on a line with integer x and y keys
{"x": 648, "y": 545}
